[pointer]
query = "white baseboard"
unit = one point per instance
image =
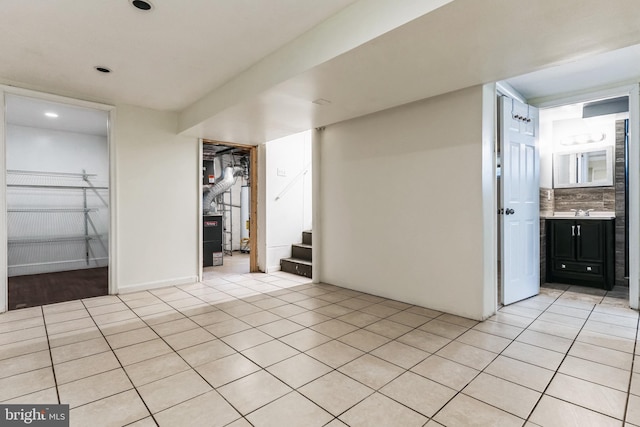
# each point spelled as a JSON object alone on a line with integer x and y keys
{"x": 272, "y": 269}
{"x": 157, "y": 284}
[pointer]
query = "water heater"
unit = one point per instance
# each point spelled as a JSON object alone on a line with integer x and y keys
{"x": 244, "y": 212}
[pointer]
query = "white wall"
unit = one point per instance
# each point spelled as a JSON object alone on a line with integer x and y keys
{"x": 289, "y": 197}
{"x": 401, "y": 205}
{"x": 49, "y": 150}
{"x": 157, "y": 200}
{"x": 545, "y": 145}
{"x": 45, "y": 150}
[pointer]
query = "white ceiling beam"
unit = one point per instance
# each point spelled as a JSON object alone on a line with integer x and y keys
{"x": 348, "y": 29}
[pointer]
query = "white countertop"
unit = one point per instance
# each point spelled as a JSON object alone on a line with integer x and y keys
{"x": 572, "y": 215}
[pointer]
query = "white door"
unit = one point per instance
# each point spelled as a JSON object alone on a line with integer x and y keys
{"x": 520, "y": 211}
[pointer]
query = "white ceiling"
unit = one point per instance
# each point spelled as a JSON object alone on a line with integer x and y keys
{"x": 31, "y": 112}
{"x": 461, "y": 44}
{"x": 163, "y": 59}
{"x": 247, "y": 71}
{"x": 616, "y": 67}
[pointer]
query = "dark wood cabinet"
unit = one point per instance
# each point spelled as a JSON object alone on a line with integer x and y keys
{"x": 581, "y": 252}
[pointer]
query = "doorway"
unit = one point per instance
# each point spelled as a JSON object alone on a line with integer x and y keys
{"x": 57, "y": 197}
{"x": 584, "y": 176}
{"x": 228, "y": 229}
{"x": 620, "y": 153}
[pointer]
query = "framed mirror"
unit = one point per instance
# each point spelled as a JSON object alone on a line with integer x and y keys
{"x": 583, "y": 168}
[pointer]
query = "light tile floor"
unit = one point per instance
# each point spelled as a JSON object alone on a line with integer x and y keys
{"x": 269, "y": 350}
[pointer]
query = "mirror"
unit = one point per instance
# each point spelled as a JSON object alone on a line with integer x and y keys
{"x": 584, "y": 168}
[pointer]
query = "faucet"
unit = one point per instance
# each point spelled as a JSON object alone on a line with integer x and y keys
{"x": 582, "y": 212}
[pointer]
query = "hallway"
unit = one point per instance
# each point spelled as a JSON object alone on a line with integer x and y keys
{"x": 269, "y": 350}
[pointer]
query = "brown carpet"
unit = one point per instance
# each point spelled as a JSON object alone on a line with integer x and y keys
{"x": 49, "y": 288}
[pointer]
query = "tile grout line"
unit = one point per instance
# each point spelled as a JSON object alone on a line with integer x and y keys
{"x": 544, "y": 392}
{"x": 331, "y": 339}
{"x": 121, "y": 367}
{"x": 633, "y": 360}
{"x": 300, "y": 352}
{"x": 264, "y": 369}
{"x": 53, "y": 370}
{"x": 188, "y": 364}
{"x": 307, "y": 327}
{"x": 391, "y": 339}
{"x": 369, "y": 353}
{"x": 499, "y": 354}
{"x": 361, "y": 328}
{"x": 337, "y": 303}
{"x": 336, "y": 369}
{"x": 480, "y": 371}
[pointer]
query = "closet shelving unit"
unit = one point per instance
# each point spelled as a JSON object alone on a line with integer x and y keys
{"x": 32, "y": 223}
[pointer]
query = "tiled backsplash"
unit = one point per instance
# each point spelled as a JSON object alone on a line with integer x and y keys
{"x": 597, "y": 198}
{"x": 602, "y": 199}
{"x": 546, "y": 201}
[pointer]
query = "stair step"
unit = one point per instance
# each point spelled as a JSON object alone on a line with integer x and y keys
{"x": 307, "y": 237}
{"x": 301, "y": 251}
{"x": 296, "y": 266}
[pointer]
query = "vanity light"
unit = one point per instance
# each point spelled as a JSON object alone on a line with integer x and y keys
{"x": 585, "y": 138}
{"x": 51, "y": 114}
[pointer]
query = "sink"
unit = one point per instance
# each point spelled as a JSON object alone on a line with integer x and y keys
{"x": 592, "y": 215}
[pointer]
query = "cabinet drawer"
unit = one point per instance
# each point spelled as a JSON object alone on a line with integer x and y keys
{"x": 578, "y": 267}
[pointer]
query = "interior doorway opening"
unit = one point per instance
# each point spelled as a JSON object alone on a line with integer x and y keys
{"x": 229, "y": 189}
{"x": 587, "y": 183}
{"x": 57, "y": 196}
{"x": 584, "y": 182}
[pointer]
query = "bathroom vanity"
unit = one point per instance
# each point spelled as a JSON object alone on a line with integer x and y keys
{"x": 580, "y": 250}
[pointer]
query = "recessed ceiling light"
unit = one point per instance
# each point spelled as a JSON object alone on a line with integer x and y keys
{"x": 142, "y": 5}
{"x": 103, "y": 69}
{"x": 51, "y": 114}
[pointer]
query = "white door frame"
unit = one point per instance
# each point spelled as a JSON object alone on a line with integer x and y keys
{"x": 12, "y": 90}
{"x": 255, "y": 212}
{"x": 633, "y": 91}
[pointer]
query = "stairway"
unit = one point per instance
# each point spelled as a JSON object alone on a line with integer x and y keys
{"x": 300, "y": 261}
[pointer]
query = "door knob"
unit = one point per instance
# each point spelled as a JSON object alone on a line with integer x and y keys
{"x": 509, "y": 211}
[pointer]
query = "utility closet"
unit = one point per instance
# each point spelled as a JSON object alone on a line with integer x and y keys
{"x": 225, "y": 202}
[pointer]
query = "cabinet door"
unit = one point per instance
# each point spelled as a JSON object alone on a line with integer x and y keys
{"x": 589, "y": 240}
{"x": 562, "y": 239}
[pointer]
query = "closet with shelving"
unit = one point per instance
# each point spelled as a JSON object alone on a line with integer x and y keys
{"x": 57, "y": 193}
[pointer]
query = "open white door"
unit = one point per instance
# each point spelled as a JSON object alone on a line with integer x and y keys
{"x": 520, "y": 210}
